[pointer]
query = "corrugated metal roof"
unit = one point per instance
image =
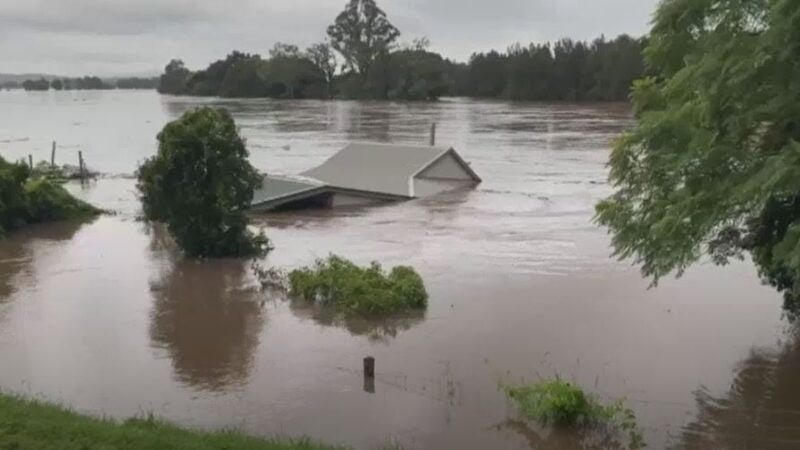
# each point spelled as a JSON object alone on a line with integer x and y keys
{"x": 385, "y": 168}
{"x": 275, "y": 187}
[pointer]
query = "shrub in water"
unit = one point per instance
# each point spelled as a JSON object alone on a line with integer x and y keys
{"x": 368, "y": 290}
{"x": 27, "y": 200}
{"x": 201, "y": 184}
{"x": 48, "y": 201}
{"x": 560, "y": 403}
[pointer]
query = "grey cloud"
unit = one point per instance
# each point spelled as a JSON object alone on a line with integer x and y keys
{"x": 105, "y": 17}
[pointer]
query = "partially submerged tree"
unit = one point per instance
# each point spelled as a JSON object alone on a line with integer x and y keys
{"x": 362, "y": 34}
{"x": 200, "y": 184}
{"x": 713, "y": 164}
{"x": 322, "y": 55}
{"x": 174, "y": 78}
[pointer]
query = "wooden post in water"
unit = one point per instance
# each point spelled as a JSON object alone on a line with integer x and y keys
{"x": 369, "y": 367}
{"x": 433, "y": 134}
{"x": 53, "y": 155}
{"x": 369, "y": 374}
{"x": 30, "y": 161}
{"x": 80, "y": 163}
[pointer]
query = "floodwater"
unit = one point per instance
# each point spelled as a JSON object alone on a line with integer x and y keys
{"x": 107, "y": 317}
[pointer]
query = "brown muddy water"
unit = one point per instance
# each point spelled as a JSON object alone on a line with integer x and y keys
{"x": 106, "y": 317}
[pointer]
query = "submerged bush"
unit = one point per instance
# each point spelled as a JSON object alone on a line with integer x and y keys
{"x": 338, "y": 282}
{"x": 25, "y": 199}
{"x": 562, "y": 404}
{"x": 200, "y": 184}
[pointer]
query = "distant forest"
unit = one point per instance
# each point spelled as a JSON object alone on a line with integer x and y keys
{"x": 83, "y": 83}
{"x": 375, "y": 66}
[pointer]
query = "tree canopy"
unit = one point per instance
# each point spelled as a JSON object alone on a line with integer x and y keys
{"x": 200, "y": 184}
{"x": 362, "y": 34}
{"x": 712, "y": 166}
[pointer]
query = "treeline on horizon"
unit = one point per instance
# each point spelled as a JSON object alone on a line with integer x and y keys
{"x": 601, "y": 70}
{"x": 379, "y": 68}
{"x": 84, "y": 83}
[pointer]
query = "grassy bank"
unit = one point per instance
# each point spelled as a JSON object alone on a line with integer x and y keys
{"x": 26, "y": 424}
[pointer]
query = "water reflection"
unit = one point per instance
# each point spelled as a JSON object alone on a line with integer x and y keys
{"x": 17, "y": 250}
{"x": 382, "y": 330}
{"x": 207, "y": 316}
{"x": 760, "y": 408}
{"x": 564, "y": 439}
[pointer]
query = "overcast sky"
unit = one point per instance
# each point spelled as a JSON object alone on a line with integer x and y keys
{"x": 111, "y": 37}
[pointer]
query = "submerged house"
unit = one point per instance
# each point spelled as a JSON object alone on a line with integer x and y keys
{"x": 366, "y": 174}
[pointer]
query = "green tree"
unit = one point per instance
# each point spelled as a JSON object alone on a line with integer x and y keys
{"x": 174, "y": 78}
{"x": 282, "y": 49}
{"x": 56, "y": 84}
{"x": 200, "y": 184}
{"x": 713, "y": 163}
{"x": 244, "y": 80}
{"x": 322, "y": 55}
{"x": 362, "y": 34}
{"x": 36, "y": 85}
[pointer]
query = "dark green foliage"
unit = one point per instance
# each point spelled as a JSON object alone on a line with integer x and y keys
{"x": 137, "y": 83}
{"x": 338, "y": 282}
{"x": 291, "y": 75}
{"x": 287, "y": 74}
{"x": 36, "y": 85}
{"x": 57, "y": 84}
{"x": 200, "y": 184}
{"x": 27, "y": 200}
{"x": 49, "y": 201}
{"x": 412, "y": 74}
{"x": 323, "y": 57}
{"x": 34, "y": 425}
{"x": 562, "y": 404}
{"x": 362, "y": 34}
{"x": 566, "y": 71}
{"x": 174, "y": 78}
{"x": 713, "y": 164}
{"x": 86, "y": 83}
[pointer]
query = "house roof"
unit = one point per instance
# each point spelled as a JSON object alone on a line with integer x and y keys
{"x": 386, "y": 168}
{"x": 276, "y": 190}
{"x": 373, "y": 170}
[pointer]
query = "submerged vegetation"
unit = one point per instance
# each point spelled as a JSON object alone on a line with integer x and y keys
{"x": 377, "y": 66}
{"x": 561, "y": 404}
{"x": 26, "y": 198}
{"x": 28, "y": 424}
{"x": 200, "y": 184}
{"x": 369, "y": 291}
{"x": 713, "y": 164}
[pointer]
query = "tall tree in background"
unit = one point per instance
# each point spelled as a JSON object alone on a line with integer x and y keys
{"x": 713, "y": 164}
{"x": 174, "y": 78}
{"x": 362, "y": 34}
{"x": 322, "y": 55}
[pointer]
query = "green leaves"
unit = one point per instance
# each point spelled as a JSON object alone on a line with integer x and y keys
{"x": 716, "y": 146}
{"x": 201, "y": 184}
{"x": 26, "y": 199}
{"x": 338, "y": 282}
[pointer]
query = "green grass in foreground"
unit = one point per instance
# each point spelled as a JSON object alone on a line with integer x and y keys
{"x": 28, "y": 424}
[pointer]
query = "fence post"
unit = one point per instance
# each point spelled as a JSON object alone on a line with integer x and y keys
{"x": 80, "y": 163}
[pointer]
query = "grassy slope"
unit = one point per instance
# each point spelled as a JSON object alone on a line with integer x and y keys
{"x": 26, "y": 424}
